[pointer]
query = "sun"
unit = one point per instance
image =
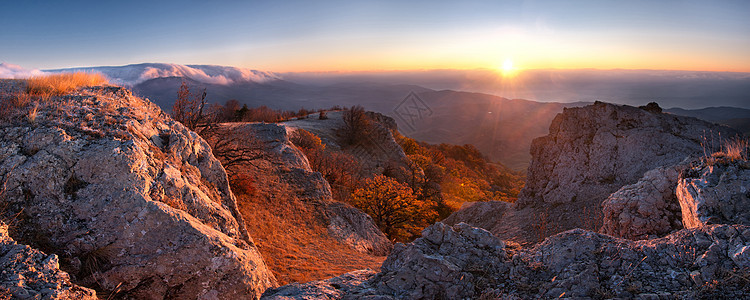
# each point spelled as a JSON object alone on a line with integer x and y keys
{"x": 507, "y": 68}
{"x": 507, "y": 65}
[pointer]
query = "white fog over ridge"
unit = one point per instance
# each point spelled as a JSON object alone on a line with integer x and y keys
{"x": 131, "y": 75}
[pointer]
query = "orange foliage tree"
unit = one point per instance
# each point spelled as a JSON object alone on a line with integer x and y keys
{"x": 393, "y": 206}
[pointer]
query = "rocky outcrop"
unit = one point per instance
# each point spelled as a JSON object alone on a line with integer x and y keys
{"x": 645, "y": 209}
{"x": 593, "y": 151}
{"x": 462, "y": 262}
{"x": 279, "y": 167}
{"x": 377, "y": 152}
{"x": 28, "y": 273}
{"x": 715, "y": 193}
{"x": 128, "y": 198}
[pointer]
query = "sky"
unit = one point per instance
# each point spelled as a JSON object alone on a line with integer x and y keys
{"x": 300, "y": 36}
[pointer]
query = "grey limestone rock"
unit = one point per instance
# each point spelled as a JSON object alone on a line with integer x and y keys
{"x": 104, "y": 176}
{"x": 28, "y": 273}
{"x": 717, "y": 193}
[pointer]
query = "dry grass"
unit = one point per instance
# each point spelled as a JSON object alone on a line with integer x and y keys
{"x": 736, "y": 149}
{"x": 59, "y": 84}
{"x": 295, "y": 244}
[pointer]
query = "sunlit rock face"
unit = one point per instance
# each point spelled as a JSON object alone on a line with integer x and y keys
{"x": 645, "y": 209}
{"x": 718, "y": 193}
{"x": 592, "y": 151}
{"x": 128, "y": 198}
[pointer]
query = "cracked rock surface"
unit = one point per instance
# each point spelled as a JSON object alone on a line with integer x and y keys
{"x": 129, "y": 199}
{"x": 716, "y": 193}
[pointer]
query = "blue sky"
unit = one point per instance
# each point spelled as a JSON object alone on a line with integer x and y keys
{"x": 370, "y": 35}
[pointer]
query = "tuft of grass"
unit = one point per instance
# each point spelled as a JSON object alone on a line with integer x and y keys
{"x": 33, "y": 113}
{"x": 59, "y": 84}
{"x": 736, "y": 149}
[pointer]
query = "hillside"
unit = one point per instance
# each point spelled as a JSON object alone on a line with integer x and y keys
{"x": 737, "y": 118}
{"x": 302, "y": 233}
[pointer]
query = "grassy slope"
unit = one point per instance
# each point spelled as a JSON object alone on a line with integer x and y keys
{"x": 292, "y": 235}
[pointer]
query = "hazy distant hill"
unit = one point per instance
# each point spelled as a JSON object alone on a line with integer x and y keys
{"x": 737, "y": 118}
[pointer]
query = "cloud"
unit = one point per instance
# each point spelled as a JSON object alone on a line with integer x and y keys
{"x": 17, "y": 72}
{"x": 207, "y": 74}
{"x": 135, "y": 74}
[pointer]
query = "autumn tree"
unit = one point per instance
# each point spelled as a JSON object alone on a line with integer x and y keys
{"x": 188, "y": 108}
{"x": 305, "y": 140}
{"x": 393, "y": 206}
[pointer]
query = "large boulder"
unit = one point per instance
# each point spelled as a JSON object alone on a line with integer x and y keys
{"x": 715, "y": 193}
{"x": 445, "y": 263}
{"x": 128, "y": 198}
{"x": 645, "y": 209}
{"x": 28, "y": 273}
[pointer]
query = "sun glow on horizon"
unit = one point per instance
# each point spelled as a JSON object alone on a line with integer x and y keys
{"x": 508, "y": 69}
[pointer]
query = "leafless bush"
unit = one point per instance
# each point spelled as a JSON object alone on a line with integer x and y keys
{"x": 357, "y": 125}
{"x": 188, "y": 108}
{"x": 232, "y": 147}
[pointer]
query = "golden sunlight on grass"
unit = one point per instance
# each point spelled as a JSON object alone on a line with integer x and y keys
{"x": 293, "y": 249}
{"x": 58, "y": 84}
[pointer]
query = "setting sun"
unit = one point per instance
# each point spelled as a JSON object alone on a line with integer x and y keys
{"x": 507, "y": 69}
{"x": 507, "y": 65}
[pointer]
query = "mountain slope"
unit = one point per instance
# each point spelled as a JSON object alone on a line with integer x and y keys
{"x": 737, "y": 118}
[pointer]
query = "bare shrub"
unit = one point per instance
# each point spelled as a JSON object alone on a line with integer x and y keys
{"x": 12, "y": 103}
{"x": 232, "y": 147}
{"x": 242, "y": 184}
{"x": 357, "y": 126}
{"x": 188, "y": 108}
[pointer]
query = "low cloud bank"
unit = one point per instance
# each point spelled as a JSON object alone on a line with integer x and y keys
{"x": 17, "y": 72}
{"x": 134, "y": 74}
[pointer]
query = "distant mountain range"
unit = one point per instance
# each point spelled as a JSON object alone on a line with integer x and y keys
{"x": 499, "y": 127}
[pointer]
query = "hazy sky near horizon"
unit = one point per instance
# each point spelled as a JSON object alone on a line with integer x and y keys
{"x": 285, "y": 36}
